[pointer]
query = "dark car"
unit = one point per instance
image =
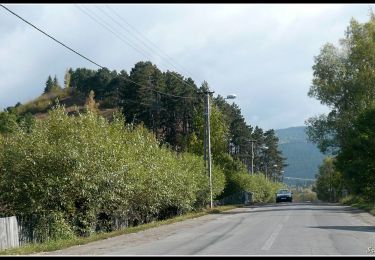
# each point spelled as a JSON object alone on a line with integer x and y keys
{"x": 284, "y": 195}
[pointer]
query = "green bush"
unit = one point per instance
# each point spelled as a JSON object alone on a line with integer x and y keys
{"x": 352, "y": 199}
{"x": 262, "y": 189}
{"x": 304, "y": 195}
{"x": 93, "y": 172}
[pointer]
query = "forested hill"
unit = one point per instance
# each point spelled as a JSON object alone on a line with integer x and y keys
{"x": 110, "y": 148}
{"x": 303, "y": 157}
{"x": 168, "y": 104}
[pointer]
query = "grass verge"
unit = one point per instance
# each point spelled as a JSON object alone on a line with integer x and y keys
{"x": 359, "y": 203}
{"x": 61, "y": 244}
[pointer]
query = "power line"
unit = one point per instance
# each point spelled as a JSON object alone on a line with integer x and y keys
{"x": 166, "y": 94}
{"x": 98, "y": 8}
{"x": 149, "y": 42}
{"x": 111, "y": 29}
{"x": 51, "y": 37}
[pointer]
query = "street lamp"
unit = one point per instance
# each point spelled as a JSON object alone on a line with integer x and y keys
{"x": 274, "y": 177}
{"x": 208, "y": 137}
{"x": 263, "y": 147}
{"x": 282, "y": 176}
{"x": 252, "y": 156}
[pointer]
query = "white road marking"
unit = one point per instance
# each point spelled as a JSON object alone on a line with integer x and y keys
{"x": 275, "y": 233}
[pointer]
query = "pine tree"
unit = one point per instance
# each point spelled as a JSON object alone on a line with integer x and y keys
{"x": 49, "y": 85}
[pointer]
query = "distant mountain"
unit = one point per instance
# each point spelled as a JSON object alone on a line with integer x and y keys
{"x": 303, "y": 157}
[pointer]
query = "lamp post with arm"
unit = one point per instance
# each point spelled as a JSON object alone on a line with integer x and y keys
{"x": 273, "y": 173}
{"x": 252, "y": 155}
{"x": 264, "y": 148}
{"x": 282, "y": 176}
{"x": 207, "y": 139}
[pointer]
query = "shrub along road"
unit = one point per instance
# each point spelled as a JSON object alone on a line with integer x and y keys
{"x": 274, "y": 229}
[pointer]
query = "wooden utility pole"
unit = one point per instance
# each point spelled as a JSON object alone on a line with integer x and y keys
{"x": 207, "y": 141}
{"x": 252, "y": 155}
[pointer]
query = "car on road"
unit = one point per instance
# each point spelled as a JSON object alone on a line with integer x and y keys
{"x": 284, "y": 195}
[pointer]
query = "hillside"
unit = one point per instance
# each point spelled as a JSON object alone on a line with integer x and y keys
{"x": 166, "y": 103}
{"x": 72, "y": 101}
{"x": 303, "y": 157}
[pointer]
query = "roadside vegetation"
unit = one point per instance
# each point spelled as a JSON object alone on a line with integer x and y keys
{"x": 344, "y": 80}
{"x": 82, "y": 174}
{"x": 304, "y": 195}
{"x": 106, "y": 153}
{"x": 360, "y": 203}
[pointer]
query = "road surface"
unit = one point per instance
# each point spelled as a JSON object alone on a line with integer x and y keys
{"x": 275, "y": 229}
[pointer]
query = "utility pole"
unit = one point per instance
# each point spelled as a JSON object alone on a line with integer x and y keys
{"x": 208, "y": 141}
{"x": 252, "y": 155}
{"x": 207, "y": 137}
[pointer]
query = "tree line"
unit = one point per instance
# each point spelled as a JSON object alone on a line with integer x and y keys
{"x": 81, "y": 173}
{"x": 176, "y": 121}
{"x": 344, "y": 80}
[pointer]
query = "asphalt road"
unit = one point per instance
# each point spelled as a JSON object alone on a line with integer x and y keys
{"x": 282, "y": 229}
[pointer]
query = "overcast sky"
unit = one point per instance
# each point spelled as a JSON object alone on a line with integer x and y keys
{"x": 263, "y": 53}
